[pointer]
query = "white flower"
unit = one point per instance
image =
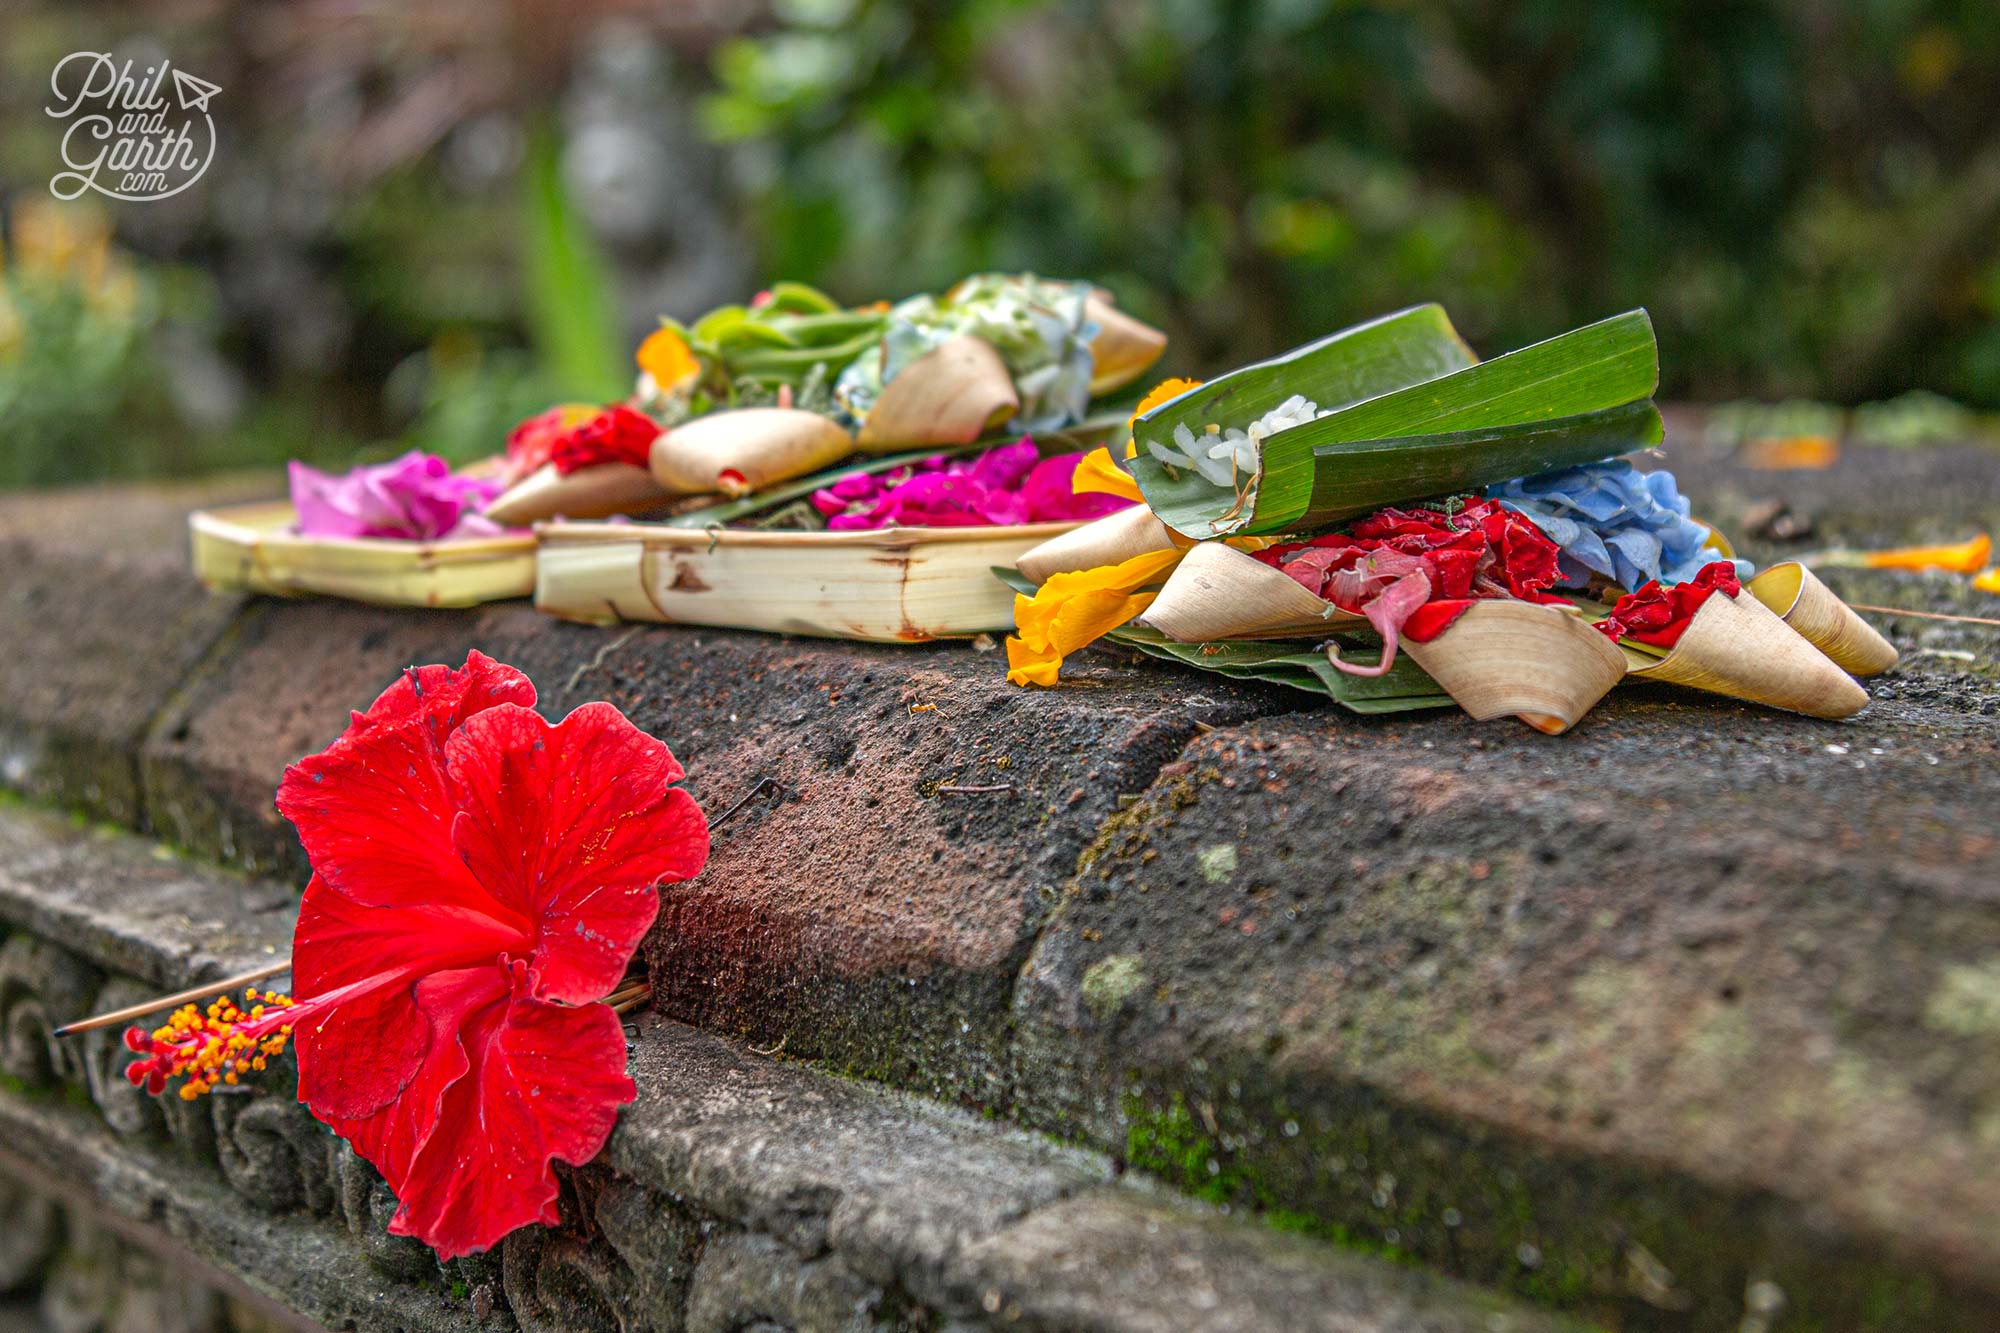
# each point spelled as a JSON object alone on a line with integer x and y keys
{"x": 1228, "y": 458}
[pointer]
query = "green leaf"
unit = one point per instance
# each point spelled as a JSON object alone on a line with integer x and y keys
{"x": 1301, "y": 666}
{"x": 1368, "y": 474}
{"x": 1573, "y": 399}
{"x": 799, "y": 299}
{"x": 572, "y": 307}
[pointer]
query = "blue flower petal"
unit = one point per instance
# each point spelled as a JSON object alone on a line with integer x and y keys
{"x": 1627, "y": 525}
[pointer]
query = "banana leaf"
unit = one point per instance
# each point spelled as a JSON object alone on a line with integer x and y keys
{"x": 1303, "y": 666}
{"x": 1444, "y": 425}
{"x": 1299, "y": 664}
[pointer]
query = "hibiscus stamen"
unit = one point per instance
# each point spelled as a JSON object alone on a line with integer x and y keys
{"x": 212, "y": 1046}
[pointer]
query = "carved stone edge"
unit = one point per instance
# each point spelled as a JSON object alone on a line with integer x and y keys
{"x": 660, "y": 1233}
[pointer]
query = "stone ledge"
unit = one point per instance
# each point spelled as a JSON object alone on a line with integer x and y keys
{"x": 737, "y": 1188}
{"x": 1563, "y": 1014}
{"x": 878, "y": 921}
{"x": 104, "y": 622}
{"x": 1446, "y": 1000}
{"x": 68, "y": 1264}
{"x": 136, "y": 907}
{"x": 306, "y": 1265}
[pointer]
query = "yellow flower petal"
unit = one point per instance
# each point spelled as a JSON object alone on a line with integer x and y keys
{"x": 1791, "y": 453}
{"x": 1164, "y": 391}
{"x": 1964, "y": 558}
{"x": 1031, "y": 666}
{"x": 1074, "y": 609}
{"x": 1096, "y": 473}
{"x": 1989, "y": 581}
{"x": 666, "y": 356}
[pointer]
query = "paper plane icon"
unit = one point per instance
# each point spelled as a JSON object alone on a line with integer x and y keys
{"x": 194, "y": 93}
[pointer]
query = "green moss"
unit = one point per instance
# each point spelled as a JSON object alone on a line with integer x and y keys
{"x": 1127, "y": 832}
{"x": 1966, "y": 1000}
{"x": 1218, "y": 863}
{"x": 1109, "y": 982}
{"x": 1381, "y": 1179}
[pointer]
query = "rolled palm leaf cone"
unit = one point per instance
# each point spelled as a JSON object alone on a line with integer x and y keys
{"x": 1796, "y": 596}
{"x": 1218, "y": 592}
{"x": 597, "y": 491}
{"x": 1123, "y": 350}
{"x": 952, "y": 394}
{"x": 1738, "y": 647}
{"x": 746, "y": 449}
{"x": 1542, "y": 664}
{"x": 1111, "y": 540}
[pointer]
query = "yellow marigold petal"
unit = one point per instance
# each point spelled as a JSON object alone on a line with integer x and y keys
{"x": 1028, "y": 665}
{"x": 1096, "y": 473}
{"x": 1791, "y": 453}
{"x": 666, "y": 356}
{"x": 1074, "y": 609}
{"x": 1989, "y": 581}
{"x": 1164, "y": 391}
{"x": 1964, "y": 558}
{"x": 1126, "y": 576}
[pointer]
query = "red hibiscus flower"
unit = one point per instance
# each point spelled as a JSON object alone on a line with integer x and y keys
{"x": 480, "y": 881}
{"x": 1659, "y": 616}
{"x": 1412, "y": 571}
{"x": 616, "y": 435}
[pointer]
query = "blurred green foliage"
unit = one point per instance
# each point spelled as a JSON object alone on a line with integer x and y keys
{"x": 1804, "y": 194}
{"x": 397, "y": 242}
{"x": 77, "y": 381}
{"x": 572, "y": 310}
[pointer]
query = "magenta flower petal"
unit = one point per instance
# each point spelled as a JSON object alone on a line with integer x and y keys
{"x": 1050, "y": 497}
{"x": 415, "y": 497}
{"x": 1002, "y": 487}
{"x": 1005, "y": 468}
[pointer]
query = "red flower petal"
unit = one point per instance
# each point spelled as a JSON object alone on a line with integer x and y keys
{"x": 616, "y": 435}
{"x": 445, "y": 1012}
{"x": 1660, "y": 615}
{"x": 372, "y": 809}
{"x": 357, "y": 1055}
{"x": 544, "y": 1082}
{"x": 443, "y": 697}
{"x": 1434, "y": 618}
{"x": 472, "y": 864}
{"x": 572, "y": 826}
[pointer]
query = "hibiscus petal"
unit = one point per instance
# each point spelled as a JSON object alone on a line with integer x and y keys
{"x": 544, "y": 1083}
{"x": 376, "y": 1042}
{"x": 358, "y": 1057}
{"x": 443, "y": 697}
{"x": 572, "y": 826}
{"x": 372, "y": 809}
{"x": 448, "y": 1014}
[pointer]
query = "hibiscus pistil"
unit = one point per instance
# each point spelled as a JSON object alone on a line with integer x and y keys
{"x": 218, "y": 1044}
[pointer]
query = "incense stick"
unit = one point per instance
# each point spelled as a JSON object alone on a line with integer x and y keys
{"x": 178, "y": 998}
{"x": 1924, "y": 615}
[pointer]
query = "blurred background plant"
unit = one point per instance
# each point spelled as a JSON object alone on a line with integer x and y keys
{"x": 427, "y": 219}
